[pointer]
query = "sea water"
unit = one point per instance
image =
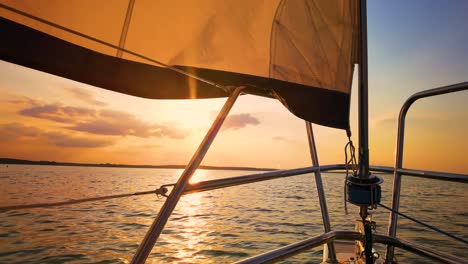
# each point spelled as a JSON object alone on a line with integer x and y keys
{"x": 218, "y": 226}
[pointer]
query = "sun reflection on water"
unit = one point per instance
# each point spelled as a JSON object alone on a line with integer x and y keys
{"x": 191, "y": 226}
{"x": 198, "y": 176}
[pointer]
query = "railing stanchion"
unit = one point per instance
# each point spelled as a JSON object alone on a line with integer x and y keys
{"x": 320, "y": 191}
{"x": 165, "y": 212}
{"x": 392, "y": 225}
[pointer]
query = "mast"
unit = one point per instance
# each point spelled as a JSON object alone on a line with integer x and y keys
{"x": 363, "y": 94}
{"x": 363, "y": 114}
{"x": 363, "y": 172}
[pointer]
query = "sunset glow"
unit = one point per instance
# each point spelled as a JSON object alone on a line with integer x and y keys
{"x": 182, "y": 131}
{"x": 45, "y": 117}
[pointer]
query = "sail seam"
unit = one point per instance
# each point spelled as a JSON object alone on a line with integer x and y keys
{"x": 126, "y": 26}
{"x": 319, "y": 39}
{"x": 273, "y": 35}
{"x": 289, "y": 37}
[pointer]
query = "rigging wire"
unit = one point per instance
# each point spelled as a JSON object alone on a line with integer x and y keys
{"x": 74, "y": 32}
{"x": 424, "y": 224}
{"x": 75, "y": 201}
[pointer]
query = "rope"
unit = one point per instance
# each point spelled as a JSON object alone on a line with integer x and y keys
{"x": 52, "y": 24}
{"x": 349, "y": 163}
{"x": 426, "y": 225}
{"x": 84, "y": 200}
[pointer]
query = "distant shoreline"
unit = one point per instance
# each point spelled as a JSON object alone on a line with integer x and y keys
{"x": 8, "y": 161}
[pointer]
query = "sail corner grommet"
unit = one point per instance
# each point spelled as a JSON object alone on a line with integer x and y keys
{"x": 365, "y": 191}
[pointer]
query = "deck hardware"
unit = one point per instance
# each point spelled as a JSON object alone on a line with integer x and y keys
{"x": 364, "y": 191}
{"x": 368, "y": 240}
{"x": 162, "y": 191}
{"x": 376, "y": 255}
{"x": 351, "y": 164}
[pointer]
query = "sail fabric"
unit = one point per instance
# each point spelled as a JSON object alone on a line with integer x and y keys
{"x": 301, "y": 52}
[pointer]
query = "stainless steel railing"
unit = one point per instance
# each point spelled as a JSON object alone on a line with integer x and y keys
{"x": 399, "y": 171}
{"x": 239, "y": 180}
{"x": 320, "y": 190}
{"x": 296, "y": 248}
{"x": 182, "y": 187}
{"x": 258, "y": 177}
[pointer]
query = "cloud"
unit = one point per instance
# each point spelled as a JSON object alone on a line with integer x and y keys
{"x": 418, "y": 118}
{"x": 118, "y": 123}
{"x": 14, "y": 131}
{"x": 18, "y": 132}
{"x": 63, "y": 140}
{"x": 239, "y": 121}
{"x": 279, "y": 138}
{"x": 85, "y": 96}
{"x": 289, "y": 141}
{"x": 385, "y": 121}
{"x": 58, "y": 112}
{"x": 23, "y": 100}
{"x": 99, "y": 122}
{"x": 147, "y": 146}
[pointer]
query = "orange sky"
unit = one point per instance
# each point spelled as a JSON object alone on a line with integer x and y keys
{"x": 44, "y": 117}
{"x": 50, "y": 118}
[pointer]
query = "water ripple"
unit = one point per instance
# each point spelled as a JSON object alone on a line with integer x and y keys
{"x": 219, "y": 226}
